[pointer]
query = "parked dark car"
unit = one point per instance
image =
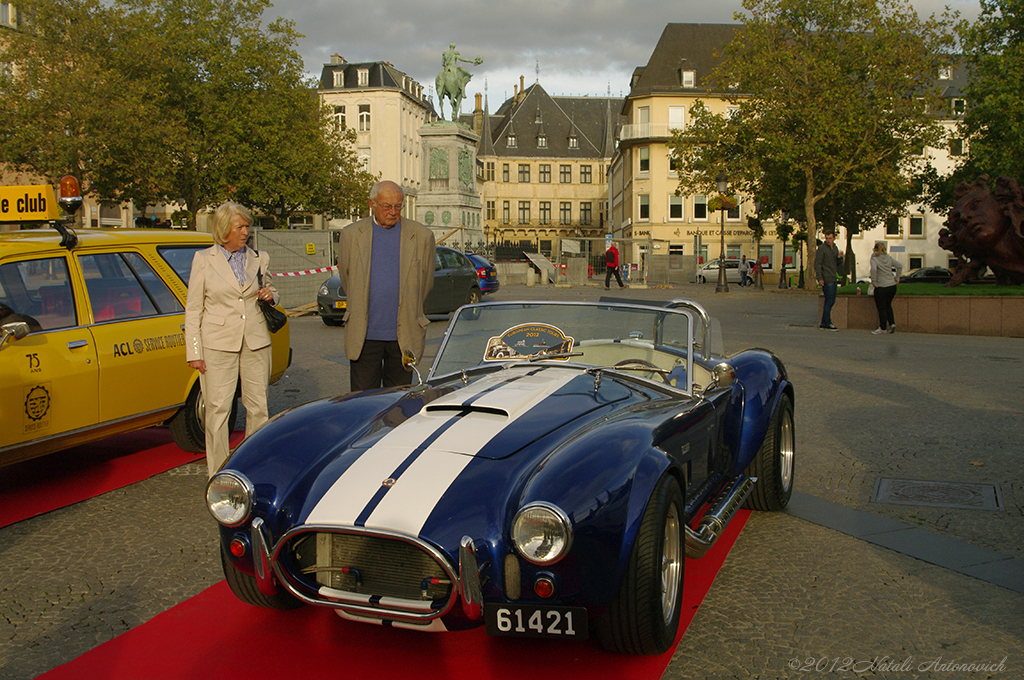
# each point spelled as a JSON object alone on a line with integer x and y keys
{"x": 456, "y": 283}
{"x": 928, "y": 275}
{"x": 546, "y": 479}
{"x": 487, "y": 272}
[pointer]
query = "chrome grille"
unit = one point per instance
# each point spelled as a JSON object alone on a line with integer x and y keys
{"x": 370, "y": 565}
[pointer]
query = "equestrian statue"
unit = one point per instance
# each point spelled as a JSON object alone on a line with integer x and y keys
{"x": 451, "y": 81}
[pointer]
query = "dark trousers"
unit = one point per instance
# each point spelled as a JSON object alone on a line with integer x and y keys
{"x": 379, "y": 364}
{"x": 883, "y": 302}
{"x": 608, "y": 276}
{"x": 829, "y": 290}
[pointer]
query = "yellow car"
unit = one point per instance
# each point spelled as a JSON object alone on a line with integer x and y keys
{"x": 92, "y": 338}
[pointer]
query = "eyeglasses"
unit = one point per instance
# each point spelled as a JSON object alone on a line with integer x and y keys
{"x": 386, "y": 207}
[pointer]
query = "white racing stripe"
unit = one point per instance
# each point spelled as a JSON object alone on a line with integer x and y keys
{"x": 406, "y": 505}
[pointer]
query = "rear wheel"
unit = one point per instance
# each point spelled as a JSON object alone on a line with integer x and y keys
{"x": 644, "y": 616}
{"x": 247, "y": 590}
{"x": 474, "y": 296}
{"x": 188, "y": 425}
{"x": 774, "y": 463}
{"x": 332, "y": 322}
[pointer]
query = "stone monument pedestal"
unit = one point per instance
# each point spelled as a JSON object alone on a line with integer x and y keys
{"x": 449, "y": 203}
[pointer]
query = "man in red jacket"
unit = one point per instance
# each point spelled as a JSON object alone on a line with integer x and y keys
{"x": 611, "y": 258}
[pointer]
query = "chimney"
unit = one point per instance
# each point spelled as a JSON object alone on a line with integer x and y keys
{"x": 515, "y": 95}
{"x": 522, "y": 88}
{"x": 337, "y": 60}
{"x": 478, "y": 114}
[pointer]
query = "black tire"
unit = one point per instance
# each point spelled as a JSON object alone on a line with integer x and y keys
{"x": 247, "y": 590}
{"x": 474, "y": 296}
{"x": 774, "y": 463}
{"x": 188, "y": 425}
{"x": 644, "y": 616}
{"x": 332, "y": 322}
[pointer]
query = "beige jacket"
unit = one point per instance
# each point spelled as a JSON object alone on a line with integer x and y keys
{"x": 417, "y": 264}
{"x": 218, "y": 313}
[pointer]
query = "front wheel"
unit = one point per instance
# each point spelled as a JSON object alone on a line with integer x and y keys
{"x": 248, "y": 591}
{"x": 774, "y": 463}
{"x": 644, "y": 616}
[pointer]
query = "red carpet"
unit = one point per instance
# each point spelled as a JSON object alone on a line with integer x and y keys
{"x": 215, "y": 636}
{"x": 40, "y": 485}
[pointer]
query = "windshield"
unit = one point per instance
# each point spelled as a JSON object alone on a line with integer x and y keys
{"x": 653, "y": 342}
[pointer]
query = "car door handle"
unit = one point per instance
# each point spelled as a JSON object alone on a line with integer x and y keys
{"x": 75, "y": 344}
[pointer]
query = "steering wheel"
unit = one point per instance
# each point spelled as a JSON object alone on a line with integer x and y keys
{"x": 642, "y": 364}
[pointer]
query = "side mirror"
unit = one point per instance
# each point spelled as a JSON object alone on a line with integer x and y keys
{"x": 409, "y": 362}
{"x": 722, "y": 375}
{"x": 18, "y": 329}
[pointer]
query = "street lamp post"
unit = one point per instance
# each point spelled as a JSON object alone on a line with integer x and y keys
{"x": 758, "y": 283}
{"x": 782, "y": 276}
{"x": 723, "y": 284}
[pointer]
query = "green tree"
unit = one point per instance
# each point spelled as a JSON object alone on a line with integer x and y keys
{"x": 827, "y": 91}
{"x": 187, "y": 101}
{"x": 993, "y": 122}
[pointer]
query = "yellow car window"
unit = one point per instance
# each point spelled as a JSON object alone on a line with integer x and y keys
{"x": 37, "y": 292}
{"x": 124, "y": 286}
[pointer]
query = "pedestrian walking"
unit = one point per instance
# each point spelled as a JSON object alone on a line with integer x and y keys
{"x": 885, "y": 274}
{"x": 744, "y": 270}
{"x": 611, "y": 259}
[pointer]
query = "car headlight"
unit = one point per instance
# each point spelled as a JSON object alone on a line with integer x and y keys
{"x": 229, "y": 498}
{"x": 323, "y": 290}
{"x": 542, "y": 533}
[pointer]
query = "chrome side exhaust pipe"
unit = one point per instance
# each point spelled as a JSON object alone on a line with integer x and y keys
{"x": 718, "y": 516}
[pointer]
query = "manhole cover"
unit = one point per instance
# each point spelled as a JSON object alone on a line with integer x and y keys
{"x": 938, "y": 494}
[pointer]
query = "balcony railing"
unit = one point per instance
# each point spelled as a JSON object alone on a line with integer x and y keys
{"x": 645, "y": 131}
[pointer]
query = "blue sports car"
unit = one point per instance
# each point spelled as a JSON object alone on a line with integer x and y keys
{"x": 546, "y": 479}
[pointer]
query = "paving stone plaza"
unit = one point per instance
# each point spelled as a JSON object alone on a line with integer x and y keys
{"x": 921, "y": 582}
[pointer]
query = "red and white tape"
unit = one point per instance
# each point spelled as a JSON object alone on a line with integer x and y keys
{"x": 303, "y": 273}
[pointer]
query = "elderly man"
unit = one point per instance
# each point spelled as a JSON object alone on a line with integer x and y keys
{"x": 386, "y": 266}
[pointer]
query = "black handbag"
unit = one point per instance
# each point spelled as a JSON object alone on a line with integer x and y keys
{"x": 275, "y": 318}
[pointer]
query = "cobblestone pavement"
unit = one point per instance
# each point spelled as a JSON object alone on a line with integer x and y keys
{"x": 794, "y": 599}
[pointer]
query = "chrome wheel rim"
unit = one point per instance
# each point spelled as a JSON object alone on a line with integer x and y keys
{"x": 671, "y": 564}
{"x": 787, "y": 452}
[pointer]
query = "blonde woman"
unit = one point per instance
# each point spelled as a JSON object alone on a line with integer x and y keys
{"x": 227, "y": 340}
{"x": 885, "y": 274}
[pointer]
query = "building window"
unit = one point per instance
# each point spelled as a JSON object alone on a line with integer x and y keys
{"x": 565, "y": 174}
{"x": 673, "y": 165}
{"x": 959, "y": 106}
{"x": 700, "y": 207}
{"x": 584, "y": 174}
{"x": 688, "y": 78}
{"x": 956, "y": 146}
{"x": 645, "y": 207}
{"x": 675, "y": 207}
{"x": 490, "y": 171}
{"x": 364, "y": 77}
{"x": 767, "y": 258}
{"x": 734, "y": 212}
{"x": 917, "y": 226}
{"x": 544, "y": 173}
{"x": 545, "y": 212}
{"x": 524, "y": 212}
{"x": 892, "y": 226}
{"x": 510, "y": 141}
{"x": 675, "y": 256}
{"x": 524, "y": 173}
{"x": 565, "y": 212}
{"x": 339, "y": 79}
{"x": 915, "y": 261}
{"x": 945, "y": 73}
{"x": 339, "y": 117}
{"x": 645, "y": 159}
{"x": 585, "y": 213}
{"x": 504, "y": 172}
{"x": 364, "y": 117}
{"x": 506, "y": 216}
{"x": 676, "y": 117}
{"x": 490, "y": 210}
{"x": 573, "y": 142}
{"x": 542, "y": 142}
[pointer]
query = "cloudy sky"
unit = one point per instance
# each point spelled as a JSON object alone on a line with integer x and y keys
{"x": 572, "y": 47}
